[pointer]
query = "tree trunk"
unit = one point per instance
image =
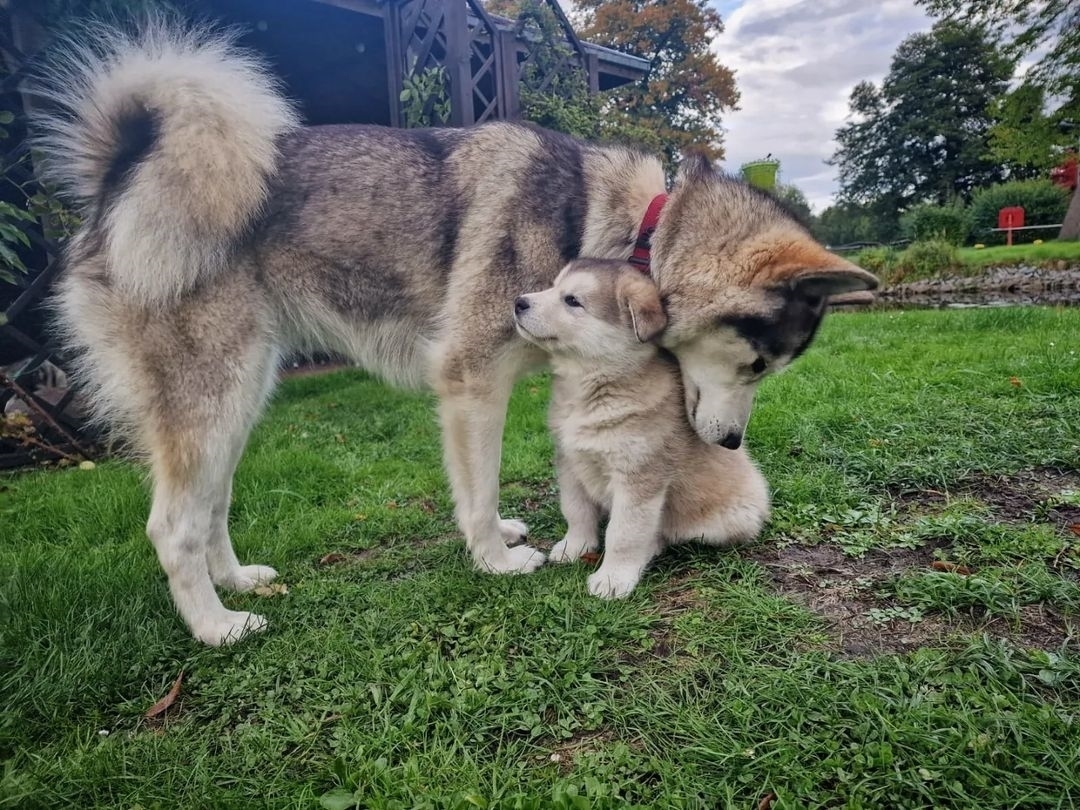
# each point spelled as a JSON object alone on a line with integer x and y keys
{"x": 1070, "y": 228}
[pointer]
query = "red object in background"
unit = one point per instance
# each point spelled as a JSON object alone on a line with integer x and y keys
{"x": 1065, "y": 175}
{"x": 1009, "y": 218}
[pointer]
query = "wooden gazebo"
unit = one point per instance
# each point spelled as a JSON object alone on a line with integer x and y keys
{"x": 347, "y": 61}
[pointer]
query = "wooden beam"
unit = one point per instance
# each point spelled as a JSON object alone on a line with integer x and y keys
{"x": 458, "y": 68}
{"x": 395, "y": 60}
{"x": 369, "y": 7}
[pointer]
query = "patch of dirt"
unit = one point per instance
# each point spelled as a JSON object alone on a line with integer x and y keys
{"x": 565, "y": 753}
{"x": 1028, "y": 495}
{"x": 840, "y": 589}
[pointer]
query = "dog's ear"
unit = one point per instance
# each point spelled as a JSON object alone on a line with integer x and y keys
{"x": 813, "y": 272}
{"x": 822, "y": 282}
{"x": 639, "y": 304}
{"x": 694, "y": 168}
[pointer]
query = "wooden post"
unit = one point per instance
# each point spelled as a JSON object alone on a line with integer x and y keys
{"x": 507, "y": 74}
{"x": 395, "y": 59}
{"x": 458, "y": 68}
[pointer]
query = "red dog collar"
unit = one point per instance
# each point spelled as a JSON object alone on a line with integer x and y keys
{"x": 643, "y": 247}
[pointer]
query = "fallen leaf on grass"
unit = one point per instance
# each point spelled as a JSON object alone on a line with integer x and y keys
{"x": 273, "y": 589}
{"x": 1015, "y": 382}
{"x": 591, "y": 558}
{"x": 766, "y": 801}
{"x": 162, "y": 705}
{"x": 331, "y": 558}
{"x": 1075, "y": 528}
{"x": 950, "y": 567}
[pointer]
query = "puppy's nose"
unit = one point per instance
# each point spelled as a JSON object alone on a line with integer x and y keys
{"x": 521, "y": 305}
{"x": 731, "y": 441}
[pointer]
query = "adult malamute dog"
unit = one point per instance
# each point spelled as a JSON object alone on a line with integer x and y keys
{"x": 623, "y": 440}
{"x": 218, "y": 232}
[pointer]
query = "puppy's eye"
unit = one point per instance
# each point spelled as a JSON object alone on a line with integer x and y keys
{"x": 758, "y": 365}
{"x": 571, "y": 301}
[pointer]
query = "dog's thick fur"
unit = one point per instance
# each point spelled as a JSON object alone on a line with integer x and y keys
{"x": 624, "y": 443}
{"x": 218, "y": 233}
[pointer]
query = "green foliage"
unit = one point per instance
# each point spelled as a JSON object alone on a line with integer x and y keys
{"x": 845, "y": 223}
{"x": 1043, "y": 202}
{"x": 878, "y": 260}
{"x": 13, "y": 225}
{"x": 950, "y": 223}
{"x": 425, "y": 97}
{"x": 795, "y": 201}
{"x": 1024, "y": 136}
{"x": 922, "y": 135}
{"x": 927, "y": 259}
{"x": 1047, "y": 29}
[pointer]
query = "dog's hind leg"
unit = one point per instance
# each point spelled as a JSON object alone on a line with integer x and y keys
{"x": 473, "y": 398}
{"x": 225, "y": 569}
{"x": 193, "y": 455}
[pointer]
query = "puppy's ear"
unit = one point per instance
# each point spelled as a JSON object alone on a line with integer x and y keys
{"x": 639, "y": 304}
{"x": 694, "y": 168}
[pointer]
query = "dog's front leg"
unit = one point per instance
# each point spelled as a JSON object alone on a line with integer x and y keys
{"x": 582, "y": 516}
{"x": 631, "y": 541}
{"x": 472, "y": 408}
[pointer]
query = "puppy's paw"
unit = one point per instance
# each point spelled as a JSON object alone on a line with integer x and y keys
{"x": 613, "y": 583}
{"x": 229, "y": 627}
{"x": 515, "y": 560}
{"x": 247, "y": 577}
{"x": 513, "y": 531}
{"x": 570, "y": 549}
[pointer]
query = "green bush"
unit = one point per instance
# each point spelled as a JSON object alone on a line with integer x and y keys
{"x": 1042, "y": 201}
{"x": 878, "y": 260}
{"x": 926, "y": 259}
{"x": 948, "y": 222}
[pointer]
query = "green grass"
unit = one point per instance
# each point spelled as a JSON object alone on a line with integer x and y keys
{"x": 396, "y": 677}
{"x": 896, "y": 266}
{"x": 1003, "y": 256}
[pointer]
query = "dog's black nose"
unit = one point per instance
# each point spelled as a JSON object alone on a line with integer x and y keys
{"x": 521, "y": 305}
{"x": 731, "y": 441}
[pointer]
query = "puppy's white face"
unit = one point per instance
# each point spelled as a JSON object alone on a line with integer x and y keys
{"x": 595, "y": 310}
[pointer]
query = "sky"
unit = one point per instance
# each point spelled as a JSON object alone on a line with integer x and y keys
{"x": 796, "y": 62}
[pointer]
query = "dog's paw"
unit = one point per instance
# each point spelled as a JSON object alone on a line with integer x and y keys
{"x": 229, "y": 628}
{"x": 513, "y": 531}
{"x": 515, "y": 560}
{"x": 247, "y": 577}
{"x": 570, "y": 549}
{"x": 613, "y": 583}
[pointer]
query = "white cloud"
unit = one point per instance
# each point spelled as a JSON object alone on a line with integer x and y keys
{"x": 796, "y": 61}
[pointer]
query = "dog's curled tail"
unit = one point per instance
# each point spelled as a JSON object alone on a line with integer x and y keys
{"x": 165, "y": 136}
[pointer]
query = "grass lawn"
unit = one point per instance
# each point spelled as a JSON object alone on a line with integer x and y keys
{"x": 1002, "y": 255}
{"x": 904, "y": 635}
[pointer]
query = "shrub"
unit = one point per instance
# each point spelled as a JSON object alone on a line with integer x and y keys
{"x": 1042, "y": 201}
{"x": 878, "y": 260}
{"x": 948, "y": 222}
{"x": 926, "y": 259}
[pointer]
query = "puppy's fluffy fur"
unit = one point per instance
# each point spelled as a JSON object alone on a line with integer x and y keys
{"x": 625, "y": 445}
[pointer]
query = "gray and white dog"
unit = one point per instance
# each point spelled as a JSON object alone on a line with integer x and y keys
{"x": 217, "y": 233}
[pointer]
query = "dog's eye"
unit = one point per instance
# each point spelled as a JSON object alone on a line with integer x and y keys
{"x": 571, "y": 301}
{"x": 758, "y": 365}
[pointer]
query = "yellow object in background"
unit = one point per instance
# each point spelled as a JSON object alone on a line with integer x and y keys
{"x": 980, "y": 247}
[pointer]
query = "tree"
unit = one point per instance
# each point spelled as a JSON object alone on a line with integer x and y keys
{"x": 923, "y": 134}
{"x": 1047, "y": 28}
{"x": 686, "y": 89}
{"x": 1024, "y": 136}
{"x": 796, "y": 202}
